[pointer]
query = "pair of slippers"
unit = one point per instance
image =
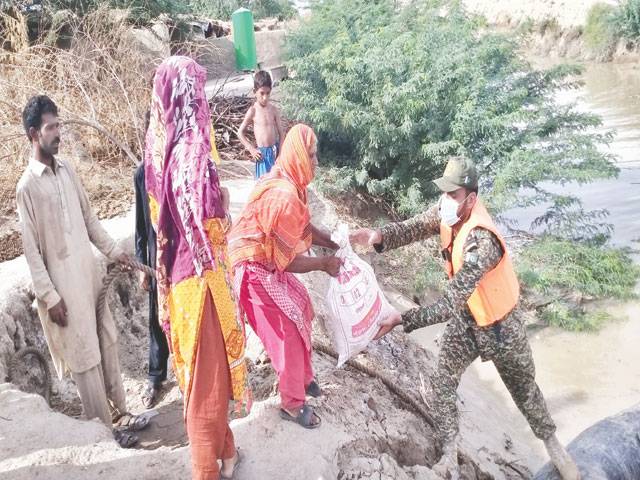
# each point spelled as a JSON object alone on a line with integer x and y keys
{"x": 127, "y": 423}
{"x": 306, "y": 417}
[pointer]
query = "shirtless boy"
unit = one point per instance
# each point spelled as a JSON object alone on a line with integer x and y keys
{"x": 267, "y": 126}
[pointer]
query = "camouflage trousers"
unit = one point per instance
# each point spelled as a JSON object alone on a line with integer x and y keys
{"x": 507, "y": 346}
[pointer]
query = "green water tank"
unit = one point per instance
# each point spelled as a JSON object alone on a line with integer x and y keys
{"x": 244, "y": 40}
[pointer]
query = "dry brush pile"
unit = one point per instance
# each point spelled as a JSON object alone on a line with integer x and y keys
{"x": 227, "y": 114}
{"x": 101, "y": 89}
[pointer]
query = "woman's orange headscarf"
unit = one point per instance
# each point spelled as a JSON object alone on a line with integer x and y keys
{"x": 275, "y": 225}
{"x": 294, "y": 160}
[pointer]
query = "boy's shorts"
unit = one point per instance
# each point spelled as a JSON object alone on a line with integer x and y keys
{"x": 269, "y": 155}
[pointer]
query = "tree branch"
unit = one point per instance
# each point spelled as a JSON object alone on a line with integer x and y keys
{"x": 106, "y": 133}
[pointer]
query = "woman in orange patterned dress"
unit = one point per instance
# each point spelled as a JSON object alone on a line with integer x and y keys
{"x": 267, "y": 246}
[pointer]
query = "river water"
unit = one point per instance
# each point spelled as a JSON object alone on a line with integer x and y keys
{"x": 583, "y": 376}
{"x": 613, "y": 92}
{"x": 587, "y": 377}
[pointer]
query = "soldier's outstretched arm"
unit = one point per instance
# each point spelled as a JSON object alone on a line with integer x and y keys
{"x": 482, "y": 252}
{"x": 420, "y": 227}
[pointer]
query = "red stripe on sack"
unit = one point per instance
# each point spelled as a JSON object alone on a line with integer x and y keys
{"x": 366, "y": 322}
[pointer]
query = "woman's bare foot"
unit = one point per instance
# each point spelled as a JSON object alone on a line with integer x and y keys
{"x": 229, "y": 466}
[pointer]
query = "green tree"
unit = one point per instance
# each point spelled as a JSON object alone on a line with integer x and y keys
{"x": 393, "y": 90}
{"x": 141, "y": 11}
{"x": 261, "y": 8}
{"x": 628, "y": 16}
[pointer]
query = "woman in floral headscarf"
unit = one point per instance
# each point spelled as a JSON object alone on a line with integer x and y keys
{"x": 196, "y": 303}
{"x": 266, "y": 247}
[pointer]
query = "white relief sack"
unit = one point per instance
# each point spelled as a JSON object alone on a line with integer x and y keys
{"x": 355, "y": 302}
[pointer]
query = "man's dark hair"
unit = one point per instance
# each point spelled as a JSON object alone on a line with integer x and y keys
{"x": 33, "y": 111}
{"x": 261, "y": 79}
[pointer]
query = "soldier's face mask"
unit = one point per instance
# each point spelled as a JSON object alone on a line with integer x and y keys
{"x": 449, "y": 209}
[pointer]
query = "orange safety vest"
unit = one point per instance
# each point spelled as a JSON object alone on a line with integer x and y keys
{"x": 498, "y": 291}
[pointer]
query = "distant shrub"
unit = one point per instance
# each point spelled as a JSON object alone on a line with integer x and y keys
{"x": 601, "y": 31}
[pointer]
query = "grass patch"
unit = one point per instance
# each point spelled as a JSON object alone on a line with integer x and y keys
{"x": 431, "y": 276}
{"x": 552, "y": 266}
{"x": 593, "y": 270}
{"x": 572, "y": 319}
{"x": 333, "y": 182}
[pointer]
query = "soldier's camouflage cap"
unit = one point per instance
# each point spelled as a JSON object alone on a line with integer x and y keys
{"x": 460, "y": 172}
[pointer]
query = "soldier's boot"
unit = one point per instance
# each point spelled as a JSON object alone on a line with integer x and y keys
{"x": 447, "y": 467}
{"x": 561, "y": 459}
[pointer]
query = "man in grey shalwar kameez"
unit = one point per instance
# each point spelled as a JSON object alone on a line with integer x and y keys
{"x": 58, "y": 228}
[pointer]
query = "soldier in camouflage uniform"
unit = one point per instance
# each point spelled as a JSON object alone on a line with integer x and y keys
{"x": 504, "y": 342}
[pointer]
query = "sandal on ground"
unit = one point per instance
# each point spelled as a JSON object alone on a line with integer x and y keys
{"x": 125, "y": 439}
{"x": 235, "y": 466}
{"x": 150, "y": 395}
{"x": 305, "y": 417}
{"x": 313, "y": 389}
{"x": 132, "y": 423}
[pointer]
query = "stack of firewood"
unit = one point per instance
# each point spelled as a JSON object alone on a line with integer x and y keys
{"x": 227, "y": 114}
